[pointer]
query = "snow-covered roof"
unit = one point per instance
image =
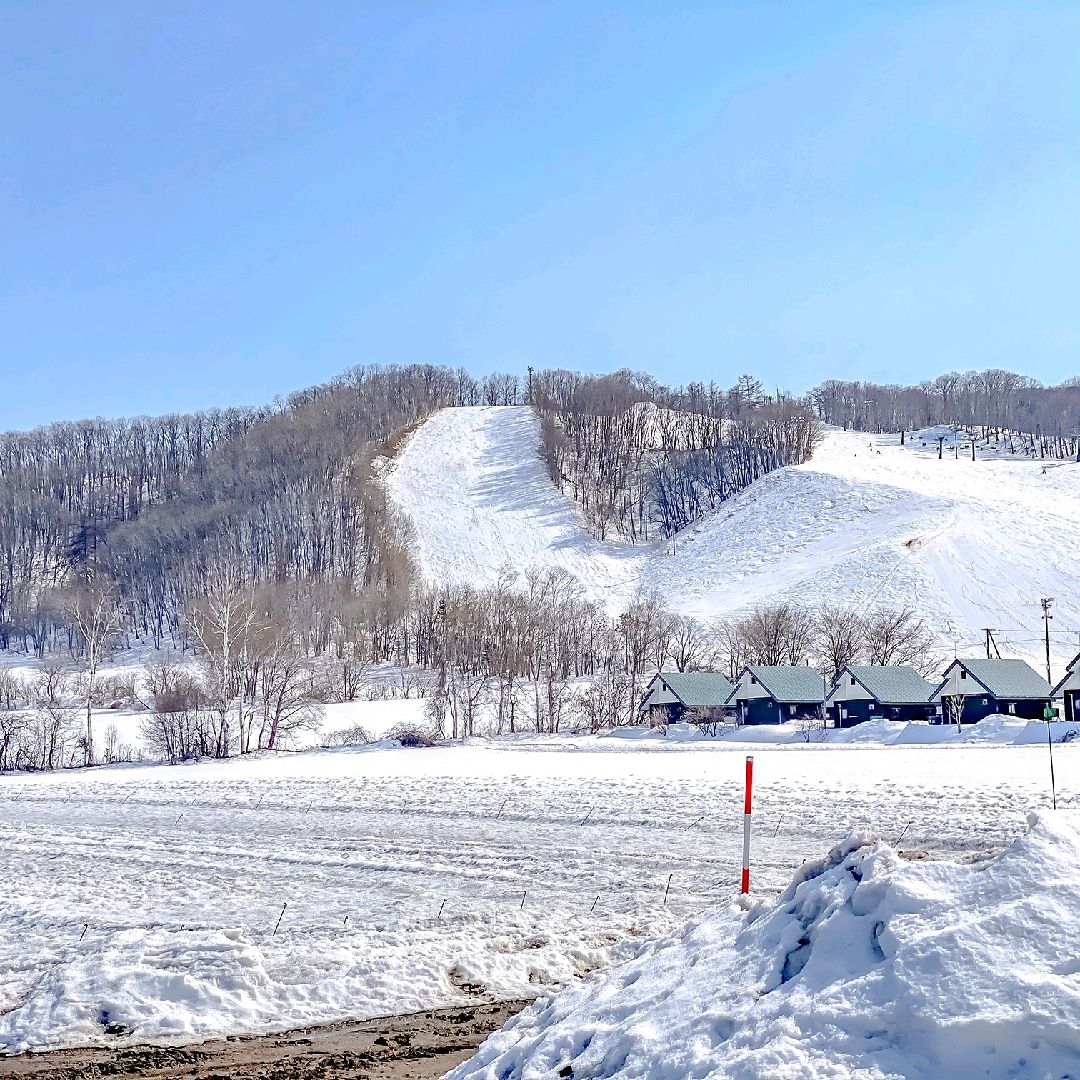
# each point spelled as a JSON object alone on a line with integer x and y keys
{"x": 892, "y": 685}
{"x": 1009, "y": 679}
{"x": 697, "y": 689}
{"x": 788, "y": 683}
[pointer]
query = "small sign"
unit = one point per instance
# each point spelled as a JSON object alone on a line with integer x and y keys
{"x": 1050, "y": 713}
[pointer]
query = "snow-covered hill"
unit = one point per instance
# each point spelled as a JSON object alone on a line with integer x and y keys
{"x": 969, "y": 544}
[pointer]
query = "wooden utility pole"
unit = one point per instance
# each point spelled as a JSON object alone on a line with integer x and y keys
{"x": 1046, "y": 602}
{"x": 991, "y": 643}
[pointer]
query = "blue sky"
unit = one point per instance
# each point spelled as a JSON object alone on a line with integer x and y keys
{"x": 208, "y": 204}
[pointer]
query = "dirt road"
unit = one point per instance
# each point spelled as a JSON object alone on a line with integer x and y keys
{"x": 420, "y": 1046}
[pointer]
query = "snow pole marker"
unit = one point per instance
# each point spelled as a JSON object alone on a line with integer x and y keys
{"x": 903, "y": 833}
{"x": 667, "y": 888}
{"x": 594, "y": 903}
{"x": 746, "y": 825}
{"x": 85, "y": 927}
{"x": 502, "y": 808}
{"x": 586, "y": 817}
{"x": 441, "y": 906}
{"x": 523, "y": 895}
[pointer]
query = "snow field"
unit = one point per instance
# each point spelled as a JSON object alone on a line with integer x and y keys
{"x": 967, "y": 544}
{"x": 147, "y": 897}
{"x": 867, "y": 966}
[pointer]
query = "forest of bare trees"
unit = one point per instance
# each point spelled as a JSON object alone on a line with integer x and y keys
{"x": 1000, "y": 406}
{"x": 645, "y": 461}
{"x": 260, "y": 544}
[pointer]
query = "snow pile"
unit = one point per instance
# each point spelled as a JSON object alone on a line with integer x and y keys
{"x": 166, "y": 984}
{"x": 866, "y": 967}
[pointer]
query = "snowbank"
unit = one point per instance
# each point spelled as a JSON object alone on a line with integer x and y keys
{"x": 866, "y": 967}
{"x": 1034, "y": 731}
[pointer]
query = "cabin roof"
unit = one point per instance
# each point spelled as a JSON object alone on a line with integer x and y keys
{"x": 697, "y": 689}
{"x": 789, "y": 684}
{"x": 1010, "y": 679}
{"x": 892, "y": 685}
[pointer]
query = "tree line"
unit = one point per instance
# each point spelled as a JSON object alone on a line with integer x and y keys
{"x": 1003, "y": 406}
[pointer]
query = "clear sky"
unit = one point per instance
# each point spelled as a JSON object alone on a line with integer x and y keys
{"x": 209, "y": 203}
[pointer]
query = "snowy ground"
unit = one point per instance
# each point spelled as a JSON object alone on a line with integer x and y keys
{"x": 147, "y": 897}
{"x": 868, "y": 967}
{"x": 968, "y": 544}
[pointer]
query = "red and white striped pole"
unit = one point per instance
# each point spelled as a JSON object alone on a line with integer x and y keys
{"x": 746, "y": 826}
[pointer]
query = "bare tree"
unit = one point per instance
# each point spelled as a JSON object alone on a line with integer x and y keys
{"x": 898, "y": 636}
{"x": 96, "y": 615}
{"x": 840, "y": 637}
{"x": 953, "y": 707}
{"x": 225, "y": 622}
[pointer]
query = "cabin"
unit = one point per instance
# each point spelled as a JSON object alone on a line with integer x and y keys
{"x": 775, "y": 695}
{"x": 985, "y": 687}
{"x": 684, "y": 695}
{"x": 864, "y": 691}
{"x": 1068, "y": 692}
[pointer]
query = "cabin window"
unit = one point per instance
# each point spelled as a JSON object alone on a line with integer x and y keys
{"x": 791, "y": 709}
{"x": 963, "y": 674}
{"x": 853, "y": 680}
{"x": 1012, "y": 708}
{"x": 871, "y": 706}
{"x": 753, "y": 681}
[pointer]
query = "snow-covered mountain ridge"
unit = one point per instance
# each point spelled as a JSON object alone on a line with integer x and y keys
{"x": 968, "y": 544}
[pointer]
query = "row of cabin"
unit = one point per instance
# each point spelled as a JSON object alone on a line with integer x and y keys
{"x": 774, "y": 695}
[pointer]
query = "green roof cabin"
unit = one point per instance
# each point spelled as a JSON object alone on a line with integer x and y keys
{"x": 867, "y": 691}
{"x": 684, "y": 695}
{"x": 974, "y": 689}
{"x": 774, "y": 695}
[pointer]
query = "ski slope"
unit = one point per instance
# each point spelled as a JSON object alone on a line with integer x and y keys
{"x": 967, "y": 544}
{"x": 473, "y": 485}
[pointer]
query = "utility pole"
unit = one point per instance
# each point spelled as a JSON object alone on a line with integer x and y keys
{"x": 1050, "y": 711}
{"x": 1046, "y": 602}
